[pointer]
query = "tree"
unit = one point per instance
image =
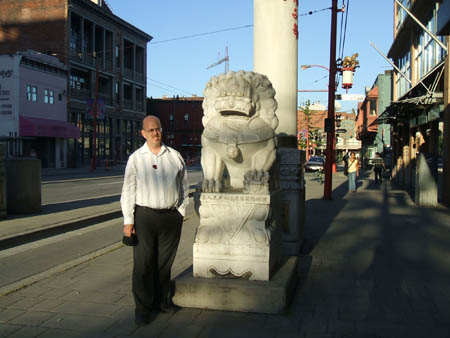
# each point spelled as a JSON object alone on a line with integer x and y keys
{"x": 304, "y": 142}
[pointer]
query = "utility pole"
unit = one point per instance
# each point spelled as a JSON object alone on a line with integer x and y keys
{"x": 329, "y": 122}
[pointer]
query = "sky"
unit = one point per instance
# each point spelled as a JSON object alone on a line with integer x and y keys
{"x": 179, "y": 66}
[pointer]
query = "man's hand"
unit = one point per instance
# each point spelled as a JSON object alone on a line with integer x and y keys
{"x": 128, "y": 229}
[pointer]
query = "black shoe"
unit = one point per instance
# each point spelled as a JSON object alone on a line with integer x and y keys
{"x": 142, "y": 319}
{"x": 168, "y": 308}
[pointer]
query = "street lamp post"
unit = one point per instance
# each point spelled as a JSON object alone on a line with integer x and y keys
{"x": 303, "y": 67}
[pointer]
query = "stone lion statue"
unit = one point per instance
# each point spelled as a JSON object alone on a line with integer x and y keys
{"x": 239, "y": 131}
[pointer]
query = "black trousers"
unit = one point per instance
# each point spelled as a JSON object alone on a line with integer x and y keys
{"x": 158, "y": 233}
{"x": 378, "y": 175}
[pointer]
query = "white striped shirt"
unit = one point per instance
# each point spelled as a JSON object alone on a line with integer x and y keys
{"x": 154, "y": 181}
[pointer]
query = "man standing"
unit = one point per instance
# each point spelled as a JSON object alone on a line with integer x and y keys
{"x": 378, "y": 167}
{"x": 154, "y": 199}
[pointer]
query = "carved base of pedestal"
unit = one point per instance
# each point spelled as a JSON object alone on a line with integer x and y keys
{"x": 233, "y": 261}
{"x": 271, "y": 297}
{"x": 237, "y": 236}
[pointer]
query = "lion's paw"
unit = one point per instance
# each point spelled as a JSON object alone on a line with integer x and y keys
{"x": 212, "y": 186}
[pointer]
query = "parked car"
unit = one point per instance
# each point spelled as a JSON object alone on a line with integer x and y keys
{"x": 315, "y": 163}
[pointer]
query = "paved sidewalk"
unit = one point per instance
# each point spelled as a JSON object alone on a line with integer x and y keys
{"x": 373, "y": 265}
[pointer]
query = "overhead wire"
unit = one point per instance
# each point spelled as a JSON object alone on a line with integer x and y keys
{"x": 200, "y": 34}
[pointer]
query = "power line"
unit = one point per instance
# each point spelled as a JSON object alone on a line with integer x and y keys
{"x": 201, "y": 34}
{"x": 317, "y": 11}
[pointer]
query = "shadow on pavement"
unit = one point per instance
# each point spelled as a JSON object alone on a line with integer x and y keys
{"x": 65, "y": 206}
{"x": 318, "y": 220}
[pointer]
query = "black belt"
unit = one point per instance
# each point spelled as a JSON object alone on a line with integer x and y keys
{"x": 161, "y": 211}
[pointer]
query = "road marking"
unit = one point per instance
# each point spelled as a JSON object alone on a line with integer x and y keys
{"x": 82, "y": 199}
{"x": 119, "y": 182}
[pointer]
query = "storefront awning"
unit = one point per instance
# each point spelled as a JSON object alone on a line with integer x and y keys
{"x": 421, "y": 98}
{"x": 37, "y": 127}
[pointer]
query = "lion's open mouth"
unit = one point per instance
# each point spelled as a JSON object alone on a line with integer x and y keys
{"x": 233, "y": 113}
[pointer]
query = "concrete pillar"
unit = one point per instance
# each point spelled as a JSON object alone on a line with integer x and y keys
{"x": 276, "y": 56}
{"x": 426, "y": 190}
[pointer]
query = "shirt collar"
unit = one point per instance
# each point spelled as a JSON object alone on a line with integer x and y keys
{"x": 146, "y": 150}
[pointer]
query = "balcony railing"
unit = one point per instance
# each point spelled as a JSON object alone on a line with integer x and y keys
{"x": 128, "y": 104}
{"x": 80, "y": 94}
{"x": 106, "y": 98}
{"x": 140, "y": 77}
{"x": 76, "y": 54}
{"x": 128, "y": 73}
{"x": 109, "y": 65}
{"x": 139, "y": 106}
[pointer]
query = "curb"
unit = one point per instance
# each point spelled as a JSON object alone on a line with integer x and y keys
{"x": 80, "y": 179}
{"x": 57, "y": 228}
{"x": 13, "y": 287}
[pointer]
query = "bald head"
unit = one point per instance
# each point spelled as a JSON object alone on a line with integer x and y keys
{"x": 152, "y": 132}
{"x": 149, "y": 118}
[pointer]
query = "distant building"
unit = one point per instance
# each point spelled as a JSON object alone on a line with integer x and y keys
{"x": 105, "y": 58}
{"x": 181, "y": 119}
{"x": 345, "y": 130}
{"x": 33, "y": 107}
{"x": 373, "y": 134}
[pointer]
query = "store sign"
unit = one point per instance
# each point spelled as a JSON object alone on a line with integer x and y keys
{"x": 350, "y": 97}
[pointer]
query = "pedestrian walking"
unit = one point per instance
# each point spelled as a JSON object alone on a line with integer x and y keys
{"x": 353, "y": 172}
{"x": 154, "y": 199}
{"x": 378, "y": 167}
{"x": 345, "y": 158}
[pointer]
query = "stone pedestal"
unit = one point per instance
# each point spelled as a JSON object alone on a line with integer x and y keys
{"x": 292, "y": 185}
{"x": 426, "y": 191}
{"x": 237, "y": 236}
{"x": 24, "y": 185}
{"x": 272, "y": 297}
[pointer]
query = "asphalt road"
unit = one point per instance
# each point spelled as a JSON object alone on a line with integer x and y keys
{"x": 36, "y": 257}
{"x": 74, "y": 189}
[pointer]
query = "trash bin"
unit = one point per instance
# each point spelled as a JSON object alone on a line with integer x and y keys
{"x": 23, "y": 185}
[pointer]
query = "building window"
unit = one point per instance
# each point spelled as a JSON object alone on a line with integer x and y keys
{"x": 171, "y": 121}
{"x": 77, "y": 82}
{"x": 373, "y": 107}
{"x": 186, "y": 119}
{"x": 117, "y": 55}
{"x": 34, "y": 93}
{"x": 49, "y": 96}
{"x": 28, "y": 93}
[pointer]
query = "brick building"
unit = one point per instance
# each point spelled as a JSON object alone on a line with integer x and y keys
{"x": 181, "y": 119}
{"x": 106, "y": 60}
{"x": 345, "y": 140}
{"x": 374, "y": 135}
